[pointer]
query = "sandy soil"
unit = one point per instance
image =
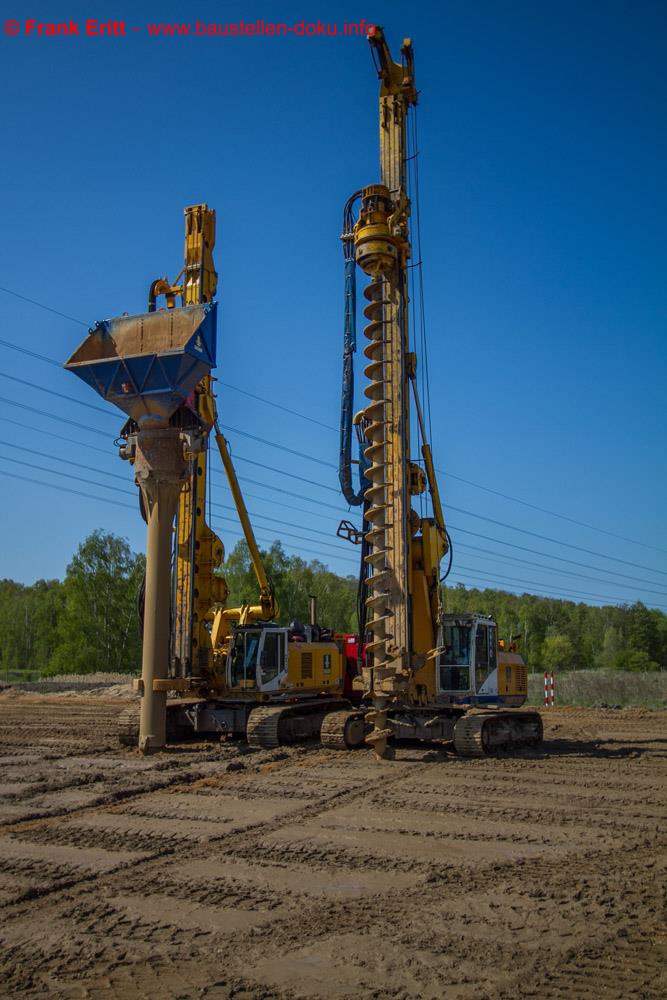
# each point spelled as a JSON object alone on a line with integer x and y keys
{"x": 212, "y": 871}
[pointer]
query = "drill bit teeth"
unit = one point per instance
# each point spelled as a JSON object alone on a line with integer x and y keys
{"x": 375, "y": 418}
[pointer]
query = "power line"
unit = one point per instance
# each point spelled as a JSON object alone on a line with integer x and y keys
{"x": 41, "y": 305}
{"x": 289, "y": 493}
{"x": 552, "y": 569}
{"x": 462, "y": 530}
{"x": 270, "y": 500}
{"x": 555, "y": 541}
{"x": 65, "y": 489}
{"x": 107, "y": 434}
{"x": 60, "y": 395}
{"x": 109, "y": 413}
{"x": 290, "y": 524}
{"x": 65, "y": 461}
{"x": 480, "y": 574}
{"x": 60, "y": 437}
{"x": 310, "y": 419}
{"x": 477, "y": 573}
{"x": 270, "y": 402}
{"x": 259, "y": 538}
{"x": 547, "y": 555}
{"x": 113, "y": 475}
{"x": 304, "y": 416}
{"x": 283, "y": 472}
{"x": 117, "y": 503}
{"x": 31, "y": 354}
{"x": 67, "y": 475}
{"x": 331, "y": 465}
{"x": 280, "y": 447}
{"x": 51, "y": 416}
{"x": 116, "y": 489}
{"x": 214, "y": 472}
{"x": 545, "y": 510}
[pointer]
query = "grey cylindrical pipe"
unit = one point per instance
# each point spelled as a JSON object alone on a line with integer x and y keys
{"x": 313, "y": 609}
{"x": 155, "y": 655}
{"x": 160, "y": 467}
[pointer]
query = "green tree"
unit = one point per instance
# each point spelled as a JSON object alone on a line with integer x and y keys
{"x": 612, "y": 644}
{"x": 97, "y": 627}
{"x": 635, "y": 660}
{"x": 294, "y": 581}
{"x": 558, "y": 653}
{"x": 641, "y": 632}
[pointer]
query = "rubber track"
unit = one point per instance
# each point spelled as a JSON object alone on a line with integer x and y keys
{"x": 468, "y": 739}
{"x": 333, "y": 729}
{"x": 263, "y": 725}
{"x": 468, "y": 733}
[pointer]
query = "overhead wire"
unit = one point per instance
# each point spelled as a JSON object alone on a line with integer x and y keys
{"x": 495, "y": 583}
{"x": 307, "y": 417}
{"x": 492, "y": 553}
{"x": 547, "y": 555}
{"x": 65, "y": 489}
{"x": 553, "y": 569}
{"x": 128, "y": 492}
{"x": 538, "y": 583}
{"x": 478, "y": 574}
{"x": 556, "y": 541}
{"x": 323, "y": 486}
{"x": 320, "y": 485}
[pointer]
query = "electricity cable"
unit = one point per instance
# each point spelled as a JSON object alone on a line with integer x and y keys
{"x": 307, "y": 417}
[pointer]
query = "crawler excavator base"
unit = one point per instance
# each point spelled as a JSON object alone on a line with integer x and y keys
{"x": 474, "y": 734}
{"x": 265, "y": 725}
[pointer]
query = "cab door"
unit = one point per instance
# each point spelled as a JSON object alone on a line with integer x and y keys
{"x": 486, "y": 673}
{"x": 272, "y": 659}
{"x": 454, "y": 665}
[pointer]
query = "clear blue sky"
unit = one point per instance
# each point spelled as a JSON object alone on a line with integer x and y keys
{"x": 543, "y": 165}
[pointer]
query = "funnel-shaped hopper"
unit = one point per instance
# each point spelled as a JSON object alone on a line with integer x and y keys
{"x": 149, "y": 364}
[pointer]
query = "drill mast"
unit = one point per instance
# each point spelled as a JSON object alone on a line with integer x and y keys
{"x": 201, "y": 623}
{"x": 403, "y": 550}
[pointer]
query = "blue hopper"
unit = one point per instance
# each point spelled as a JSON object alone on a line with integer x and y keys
{"x": 148, "y": 365}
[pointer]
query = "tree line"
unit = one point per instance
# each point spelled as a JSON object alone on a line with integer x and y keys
{"x": 88, "y": 622}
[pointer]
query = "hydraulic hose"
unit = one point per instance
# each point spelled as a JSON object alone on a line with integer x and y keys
{"x": 353, "y": 498}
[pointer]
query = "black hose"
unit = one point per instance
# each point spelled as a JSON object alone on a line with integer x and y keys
{"x": 353, "y": 498}
{"x": 451, "y": 557}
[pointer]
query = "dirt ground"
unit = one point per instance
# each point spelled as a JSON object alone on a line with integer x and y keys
{"x": 213, "y": 871}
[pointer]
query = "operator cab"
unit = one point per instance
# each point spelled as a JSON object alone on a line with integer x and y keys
{"x": 258, "y": 657}
{"x": 467, "y": 666}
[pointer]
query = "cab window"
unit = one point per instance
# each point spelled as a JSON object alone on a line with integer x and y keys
{"x": 244, "y": 657}
{"x": 485, "y": 653}
{"x": 455, "y": 659}
{"x": 272, "y": 656}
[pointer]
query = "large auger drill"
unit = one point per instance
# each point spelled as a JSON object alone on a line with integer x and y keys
{"x": 422, "y": 668}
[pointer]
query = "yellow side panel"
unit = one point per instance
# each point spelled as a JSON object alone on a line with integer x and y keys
{"x": 315, "y": 666}
{"x": 512, "y": 675}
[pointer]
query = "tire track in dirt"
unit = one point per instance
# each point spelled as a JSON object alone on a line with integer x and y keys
{"x": 487, "y": 861}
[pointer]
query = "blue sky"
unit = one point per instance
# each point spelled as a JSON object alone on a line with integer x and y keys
{"x": 542, "y": 166}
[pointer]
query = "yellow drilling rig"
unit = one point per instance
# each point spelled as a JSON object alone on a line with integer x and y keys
{"x": 423, "y": 669}
{"x": 418, "y": 670}
{"x": 236, "y": 671}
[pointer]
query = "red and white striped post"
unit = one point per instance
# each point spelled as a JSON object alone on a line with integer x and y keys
{"x": 546, "y": 689}
{"x": 553, "y": 690}
{"x": 549, "y": 689}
